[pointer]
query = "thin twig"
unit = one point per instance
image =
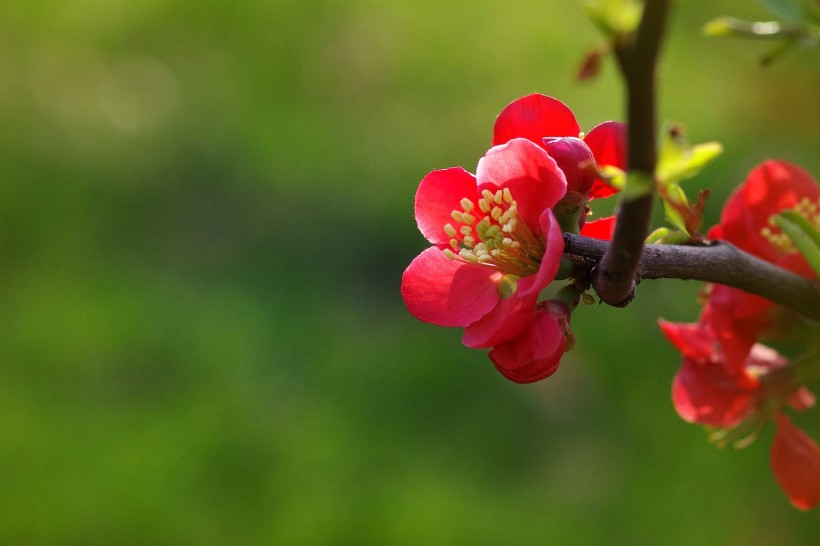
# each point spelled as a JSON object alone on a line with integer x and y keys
{"x": 614, "y": 280}
{"x": 719, "y": 262}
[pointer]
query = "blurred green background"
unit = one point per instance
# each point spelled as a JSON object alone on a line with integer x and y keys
{"x": 205, "y": 211}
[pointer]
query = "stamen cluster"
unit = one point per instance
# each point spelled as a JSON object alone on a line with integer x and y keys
{"x": 499, "y": 240}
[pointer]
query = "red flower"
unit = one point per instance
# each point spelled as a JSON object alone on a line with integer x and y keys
{"x": 551, "y": 124}
{"x": 738, "y": 402}
{"x": 496, "y": 243}
{"x": 796, "y": 464}
{"x": 727, "y": 379}
{"x": 771, "y": 188}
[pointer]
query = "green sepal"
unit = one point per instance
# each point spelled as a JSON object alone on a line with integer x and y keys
{"x": 568, "y": 211}
{"x": 566, "y": 268}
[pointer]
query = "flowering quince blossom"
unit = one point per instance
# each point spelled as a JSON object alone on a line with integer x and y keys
{"x": 727, "y": 380}
{"x": 496, "y": 239}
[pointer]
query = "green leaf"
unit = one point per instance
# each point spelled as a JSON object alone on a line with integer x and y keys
{"x": 787, "y": 9}
{"x": 679, "y": 160}
{"x": 666, "y": 236}
{"x": 803, "y": 223}
{"x": 805, "y": 241}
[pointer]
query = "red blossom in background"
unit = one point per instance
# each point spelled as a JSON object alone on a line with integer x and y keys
{"x": 770, "y": 188}
{"x": 727, "y": 379}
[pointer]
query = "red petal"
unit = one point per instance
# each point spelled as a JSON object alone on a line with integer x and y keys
{"x": 602, "y": 228}
{"x": 693, "y": 340}
{"x": 535, "y": 353}
{"x": 534, "y": 179}
{"x": 448, "y": 292}
{"x": 439, "y": 193}
{"x": 550, "y": 261}
{"x": 796, "y": 464}
{"x": 608, "y": 144}
{"x": 504, "y": 322}
{"x": 534, "y": 117}
{"x": 607, "y": 141}
{"x": 707, "y": 393}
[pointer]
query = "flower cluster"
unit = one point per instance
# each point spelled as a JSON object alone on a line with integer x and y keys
{"x": 728, "y": 380}
{"x": 497, "y": 235}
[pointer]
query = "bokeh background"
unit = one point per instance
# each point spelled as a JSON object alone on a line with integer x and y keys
{"x": 205, "y": 211}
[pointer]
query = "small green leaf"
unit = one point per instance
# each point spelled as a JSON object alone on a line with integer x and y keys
{"x": 657, "y": 235}
{"x": 674, "y": 216}
{"x": 679, "y": 160}
{"x": 666, "y": 236}
{"x": 803, "y": 223}
{"x": 614, "y": 17}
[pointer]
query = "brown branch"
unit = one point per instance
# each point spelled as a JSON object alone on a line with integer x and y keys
{"x": 614, "y": 280}
{"x": 719, "y": 262}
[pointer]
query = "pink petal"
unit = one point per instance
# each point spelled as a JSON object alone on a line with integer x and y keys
{"x": 534, "y": 117}
{"x": 602, "y": 228}
{"x": 534, "y": 179}
{"x": 448, "y": 292}
{"x": 535, "y": 353}
{"x": 550, "y": 261}
{"x": 439, "y": 193}
{"x": 504, "y": 322}
{"x": 796, "y": 464}
{"x": 609, "y": 146}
